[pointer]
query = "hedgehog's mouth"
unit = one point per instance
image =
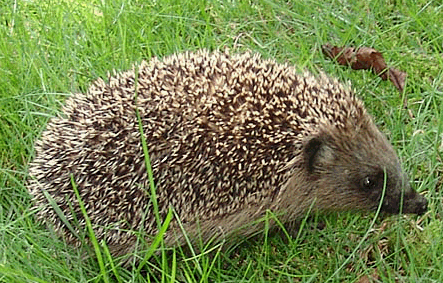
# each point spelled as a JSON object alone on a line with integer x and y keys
{"x": 414, "y": 204}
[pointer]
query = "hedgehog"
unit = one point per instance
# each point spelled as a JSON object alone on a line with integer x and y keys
{"x": 229, "y": 136}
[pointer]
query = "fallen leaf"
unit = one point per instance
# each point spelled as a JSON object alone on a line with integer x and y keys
{"x": 370, "y": 278}
{"x": 365, "y": 58}
{"x": 398, "y": 78}
{"x": 364, "y": 279}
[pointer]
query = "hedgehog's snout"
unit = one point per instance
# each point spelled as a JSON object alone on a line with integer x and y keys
{"x": 411, "y": 202}
{"x": 417, "y": 204}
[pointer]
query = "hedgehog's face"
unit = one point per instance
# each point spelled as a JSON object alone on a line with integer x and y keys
{"x": 358, "y": 173}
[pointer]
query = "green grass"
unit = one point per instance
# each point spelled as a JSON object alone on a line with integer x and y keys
{"x": 49, "y": 49}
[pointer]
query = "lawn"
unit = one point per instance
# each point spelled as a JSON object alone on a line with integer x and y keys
{"x": 51, "y": 49}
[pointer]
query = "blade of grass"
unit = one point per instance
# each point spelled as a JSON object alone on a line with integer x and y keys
{"x": 91, "y": 233}
{"x": 156, "y": 241}
{"x": 348, "y": 259}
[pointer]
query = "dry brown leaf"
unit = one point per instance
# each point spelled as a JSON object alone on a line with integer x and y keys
{"x": 368, "y": 59}
{"x": 398, "y": 78}
{"x": 364, "y": 279}
{"x": 370, "y": 278}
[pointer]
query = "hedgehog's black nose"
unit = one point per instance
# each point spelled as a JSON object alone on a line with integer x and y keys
{"x": 421, "y": 205}
{"x": 413, "y": 203}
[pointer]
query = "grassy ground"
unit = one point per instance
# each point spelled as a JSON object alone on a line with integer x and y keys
{"x": 49, "y": 49}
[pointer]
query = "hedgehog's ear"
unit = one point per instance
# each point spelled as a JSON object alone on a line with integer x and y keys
{"x": 317, "y": 152}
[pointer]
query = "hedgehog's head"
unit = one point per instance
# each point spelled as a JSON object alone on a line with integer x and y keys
{"x": 354, "y": 168}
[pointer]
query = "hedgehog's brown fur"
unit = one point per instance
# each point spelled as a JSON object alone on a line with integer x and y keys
{"x": 229, "y": 137}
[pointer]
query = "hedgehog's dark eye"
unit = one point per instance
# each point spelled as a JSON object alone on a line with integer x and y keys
{"x": 368, "y": 182}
